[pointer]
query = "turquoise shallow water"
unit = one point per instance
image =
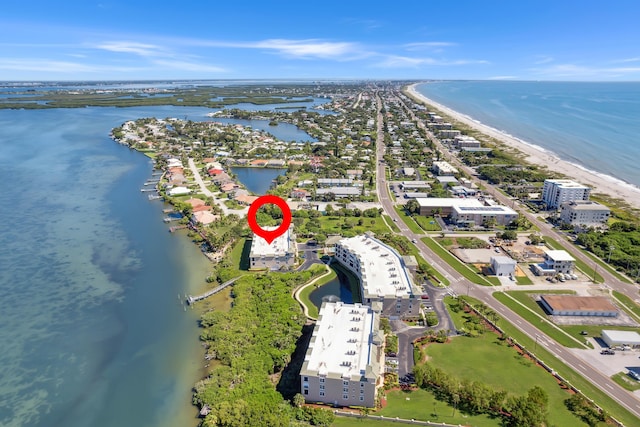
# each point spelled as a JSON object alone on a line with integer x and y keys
{"x": 92, "y": 329}
{"x": 594, "y": 125}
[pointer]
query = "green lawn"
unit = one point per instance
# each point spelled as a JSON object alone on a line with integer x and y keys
{"x": 413, "y": 226}
{"x": 540, "y": 321}
{"x": 390, "y": 223}
{"x": 625, "y": 381}
{"x": 422, "y": 405}
{"x": 588, "y": 389}
{"x": 454, "y": 262}
{"x": 491, "y": 361}
{"x": 239, "y": 255}
{"x": 304, "y": 294}
{"x": 628, "y": 302}
{"x": 427, "y": 223}
{"x": 346, "y": 226}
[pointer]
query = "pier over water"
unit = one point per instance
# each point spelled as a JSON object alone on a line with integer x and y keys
{"x": 191, "y": 299}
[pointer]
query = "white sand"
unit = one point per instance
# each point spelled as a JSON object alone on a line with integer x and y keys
{"x": 600, "y": 183}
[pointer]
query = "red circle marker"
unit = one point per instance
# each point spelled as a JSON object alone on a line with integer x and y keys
{"x": 269, "y": 235}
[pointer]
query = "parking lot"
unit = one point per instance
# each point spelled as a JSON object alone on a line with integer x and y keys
{"x": 621, "y": 361}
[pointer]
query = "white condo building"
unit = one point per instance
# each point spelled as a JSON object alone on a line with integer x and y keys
{"x": 382, "y": 274}
{"x": 344, "y": 364}
{"x": 555, "y": 192}
{"x": 584, "y": 213}
{"x": 276, "y": 255}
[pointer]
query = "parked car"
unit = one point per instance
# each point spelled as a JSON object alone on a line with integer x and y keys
{"x": 608, "y": 351}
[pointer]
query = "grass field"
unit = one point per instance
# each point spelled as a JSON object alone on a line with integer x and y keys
{"x": 427, "y": 223}
{"x": 304, "y": 294}
{"x": 489, "y": 360}
{"x": 455, "y": 262}
{"x": 625, "y": 381}
{"x": 628, "y": 303}
{"x": 539, "y": 319}
{"x": 413, "y": 226}
{"x": 390, "y": 223}
{"x": 588, "y": 389}
{"x": 422, "y": 405}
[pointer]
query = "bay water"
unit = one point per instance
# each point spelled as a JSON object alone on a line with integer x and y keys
{"x": 92, "y": 317}
{"x": 591, "y": 124}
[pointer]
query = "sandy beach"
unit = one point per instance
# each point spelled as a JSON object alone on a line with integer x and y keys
{"x": 600, "y": 183}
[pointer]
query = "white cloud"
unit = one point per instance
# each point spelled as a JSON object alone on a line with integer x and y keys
{"x": 52, "y": 66}
{"x": 584, "y": 72}
{"x": 397, "y": 61}
{"x": 188, "y": 66}
{"x": 309, "y": 48}
{"x": 542, "y": 59}
{"x": 434, "y": 46}
{"x": 142, "y": 49}
{"x": 502, "y": 78}
{"x": 636, "y": 59}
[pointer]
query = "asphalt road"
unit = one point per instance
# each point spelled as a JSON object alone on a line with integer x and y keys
{"x": 461, "y": 285}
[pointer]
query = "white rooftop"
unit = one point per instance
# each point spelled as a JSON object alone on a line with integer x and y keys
{"x": 565, "y": 183}
{"x": 628, "y": 337}
{"x": 504, "y": 260}
{"x": 448, "y": 202}
{"x": 343, "y": 340}
{"x": 381, "y": 267}
{"x": 279, "y": 247}
{"x": 559, "y": 255}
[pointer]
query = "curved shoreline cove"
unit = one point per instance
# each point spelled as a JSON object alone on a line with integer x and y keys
{"x": 93, "y": 317}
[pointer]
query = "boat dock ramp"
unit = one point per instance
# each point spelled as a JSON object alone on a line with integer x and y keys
{"x": 191, "y": 299}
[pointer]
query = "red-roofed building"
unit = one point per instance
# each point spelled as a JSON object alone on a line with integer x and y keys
{"x": 214, "y": 172}
{"x": 299, "y": 193}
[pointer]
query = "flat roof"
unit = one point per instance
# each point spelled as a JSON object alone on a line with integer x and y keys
{"x": 585, "y": 205}
{"x": 628, "y": 337}
{"x": 485, "y": 210}
{"x": 559, "y": 255}
{"x": 381, "y": 267}
{"x": 503, "y": 260}
{"x": 279, "y": 247}
{"x": 565, "y": 183}
{"x": 579, "y": 303}
{"x": 342, "y": 341}
{"x": 432, "y": 202}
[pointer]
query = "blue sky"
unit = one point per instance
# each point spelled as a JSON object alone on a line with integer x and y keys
{"x": 421, "y": 39}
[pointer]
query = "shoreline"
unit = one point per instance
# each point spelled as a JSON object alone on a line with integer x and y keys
{"x": 601, "y": 183}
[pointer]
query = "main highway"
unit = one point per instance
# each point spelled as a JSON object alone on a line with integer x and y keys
{"x": 461, "y": 285}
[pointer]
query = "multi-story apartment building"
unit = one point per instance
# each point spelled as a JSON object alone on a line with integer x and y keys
{"x": 280, "y": 253}
{"x": 344, "y": 363}
{"x": 555, "y": 192}
{"x": 382, "y": 274}
{"x": 584, "y": 213}
{"x": 555, "y": 261}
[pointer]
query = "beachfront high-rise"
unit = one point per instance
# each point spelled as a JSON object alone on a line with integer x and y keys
{"x": 382, "y": 274}
{"x": 344, "y": 364}
{"x": 555, "y": 192}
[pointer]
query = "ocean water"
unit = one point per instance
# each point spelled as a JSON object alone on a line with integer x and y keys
{"x": 593, "y": 125}
{"x": 92, "y": 328}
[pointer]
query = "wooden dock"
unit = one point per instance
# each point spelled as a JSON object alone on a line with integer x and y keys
{"x": 177, "y": 227}
{"x": 191, "y": 299}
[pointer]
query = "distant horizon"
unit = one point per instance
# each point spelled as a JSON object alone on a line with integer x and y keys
{"x": 303, "y": 79}
{"x": 466, "y": 40}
